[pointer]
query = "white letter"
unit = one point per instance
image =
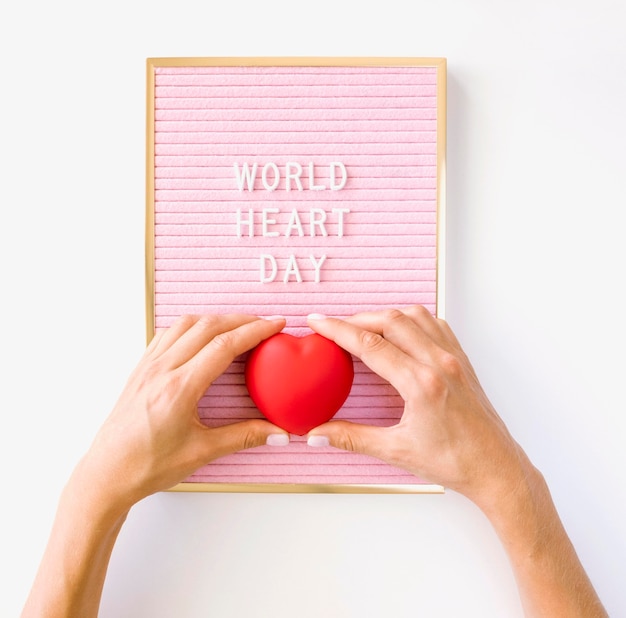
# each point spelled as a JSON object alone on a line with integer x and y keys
{"x": 340, "y": 212}
{"x": 319, "y": 222}
{"x": 294, "y": 221}
{"x": 241, "y": 222}
{"x": 274, "y": 168}
{"x": 317, "y": 266}
{"x": 245, "y": 174}
{"x": 295, "y": 175}
{"x": 292, "y": 269}
{"x": 267, "y": 221}
{"x": 312, "y": 185}
{"x": 265, "y": 258}
{"x": 344, "y": 176}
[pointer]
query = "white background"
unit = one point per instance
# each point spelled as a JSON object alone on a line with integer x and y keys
{"x": 535, "y": 292}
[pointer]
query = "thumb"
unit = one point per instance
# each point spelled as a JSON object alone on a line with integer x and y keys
{"x": 348, "y": 436}
{"x": 235, "y": 437}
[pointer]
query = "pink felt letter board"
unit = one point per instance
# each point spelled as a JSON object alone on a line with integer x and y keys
{"x": 289, "y": 186}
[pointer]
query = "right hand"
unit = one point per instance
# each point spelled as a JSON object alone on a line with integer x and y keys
{"x": 449, "y": 432}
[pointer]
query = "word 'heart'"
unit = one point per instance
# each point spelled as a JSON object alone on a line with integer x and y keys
{"x": 299, "y": 383}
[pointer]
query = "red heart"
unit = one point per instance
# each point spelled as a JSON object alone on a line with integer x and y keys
{"x": 299, "y": 383}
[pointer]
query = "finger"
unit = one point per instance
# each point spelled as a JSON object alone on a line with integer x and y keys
{"x": 149, "y": 352}
{"x": 400, "y": 329}
{"x": 355, "y": 437}
{"x": 228, "y": 439}
{"x": 380, "y": 355}
{"x": 448, "y": 334}
{"x": 193, "y": 333}
{"x": 412, "y": 329}
{"x": 439, "y": 331}
{"x": 164, "y": 338}
{"x": 430, "y": 324}
{"x": 154, "y": 343}
{"x": 217, "y": 355}
{"x": 418, "y": 313}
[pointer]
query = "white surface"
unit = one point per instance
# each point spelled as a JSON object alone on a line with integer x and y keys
{"x": 535, "y": 273}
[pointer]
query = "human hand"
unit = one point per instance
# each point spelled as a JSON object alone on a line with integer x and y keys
{"x": 449, "y": 432}
{"x": 154, "y": 438}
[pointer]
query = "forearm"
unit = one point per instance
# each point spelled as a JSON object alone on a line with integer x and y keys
{"x": 550, "y": 577}
{"x": 451, "y": 434}
{"x": 73, "y": 569}
{"x": 152, "y": 440}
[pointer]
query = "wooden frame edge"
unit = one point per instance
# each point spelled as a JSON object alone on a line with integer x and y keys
{"x": 303, "y": 61}
{"x": 441, "y": 65}
{"x": 149, "y": 216}
{"x": 313, "y": 488}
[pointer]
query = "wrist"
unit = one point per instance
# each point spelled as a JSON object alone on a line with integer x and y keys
{"x": 89, "y": 492}
{"x": 518, "y": 493}
{"x": 516, "y": 487}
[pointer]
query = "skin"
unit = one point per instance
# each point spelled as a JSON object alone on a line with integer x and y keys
{"x": 152, "y": 440}
{"x": 449, "y": 433}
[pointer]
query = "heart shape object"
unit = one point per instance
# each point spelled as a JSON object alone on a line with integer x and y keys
{"x": 299, "y": 383}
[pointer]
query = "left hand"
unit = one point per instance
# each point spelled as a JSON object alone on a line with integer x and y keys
{"x": 154, "y": 438}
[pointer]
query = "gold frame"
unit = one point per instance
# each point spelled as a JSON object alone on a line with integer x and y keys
{"x": 441, "y": 65}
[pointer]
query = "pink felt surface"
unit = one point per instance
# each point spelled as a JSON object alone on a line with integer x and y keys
{"x": 211, "y": 235}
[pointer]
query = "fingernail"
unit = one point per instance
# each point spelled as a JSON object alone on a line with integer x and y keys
{"x": 277, "y": 439}
{"x": 318, "y": 441}
{"x": 316, "y": 316}
{"x": 271, "y": 318}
